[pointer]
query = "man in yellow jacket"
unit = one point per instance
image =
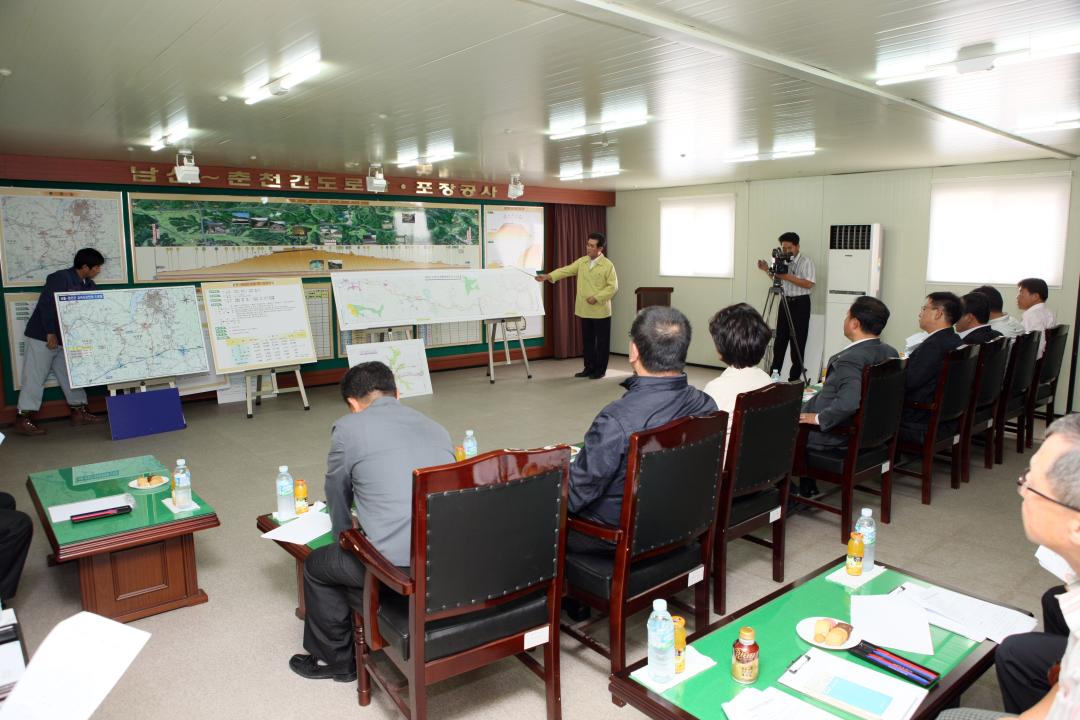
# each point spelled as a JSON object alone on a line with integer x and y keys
{"x": 597, "y": 283}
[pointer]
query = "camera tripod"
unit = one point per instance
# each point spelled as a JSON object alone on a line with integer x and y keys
{"x": 771, "y": 313}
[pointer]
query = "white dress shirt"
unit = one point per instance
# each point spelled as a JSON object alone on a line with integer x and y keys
{"x": 1007, "y": 325}
{"x": 1066, "y": 705}
{"x": 1040, "y": 318}
{"x": 731, "y": 382}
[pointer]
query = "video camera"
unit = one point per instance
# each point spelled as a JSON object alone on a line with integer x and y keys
{"x": 780, "y": 264}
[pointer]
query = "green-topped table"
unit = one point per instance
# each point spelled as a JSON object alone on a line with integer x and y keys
{"x": 959, "y": 660}
{"x": 133, "y": 565}
{"x": 266, "y": 523}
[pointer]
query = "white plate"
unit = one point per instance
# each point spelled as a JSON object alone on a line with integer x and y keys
{"x": 805, "y": 629}
{"x": 135, "y": 484}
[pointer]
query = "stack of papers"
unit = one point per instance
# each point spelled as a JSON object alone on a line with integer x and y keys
{"x": 852, "y": 688}
{"x": 12, "y": 664}
{"x": 892, "y": 621}
{"x": 305, "y": 528}
{"x": 962, "y": 614}
{"x": 771, "y": 704}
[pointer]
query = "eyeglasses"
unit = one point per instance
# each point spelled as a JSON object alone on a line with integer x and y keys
{"x": 1022, "y": 484}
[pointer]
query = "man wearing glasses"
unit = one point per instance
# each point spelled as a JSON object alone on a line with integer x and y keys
{"x": 1050, "y": 489}
{"x": 937, "y": 316}
{"x": 597, "y": 283}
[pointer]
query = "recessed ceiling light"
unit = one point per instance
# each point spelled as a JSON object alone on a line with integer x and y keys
{"x": 223, "y": 98}
{"x": 254, "y": 157}
{"x": 352, "y": 164}
{"x": 130, "y": 148}
{"x": 383, "y": 116}
{"x": 5, "y": 72}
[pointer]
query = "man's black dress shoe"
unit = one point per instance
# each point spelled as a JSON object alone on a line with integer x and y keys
{"x": 577, "y": 610}
{"x": 597, "y": 376}
{"x": 307, "y": 666}
{"x": 584, "y": 373}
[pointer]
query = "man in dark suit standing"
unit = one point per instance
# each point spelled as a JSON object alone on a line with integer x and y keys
{"x": 938, "y": 315}
{"x": 841, "y": 394}
{"x": 973, "y": 327}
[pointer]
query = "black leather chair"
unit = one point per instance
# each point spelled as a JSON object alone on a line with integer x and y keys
{"x": 948, "y": 409}
{"x": 989, "y": 379}
{"x": 1047, "y": 369}
{"x": 871, "y": 446}
{"x": 757, "y": 476}
{"x": 488, "y": 537}
{"x": 663, "y": 543}
{"x": 1019, "y": 376}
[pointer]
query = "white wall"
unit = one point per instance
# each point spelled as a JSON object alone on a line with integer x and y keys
{"x": 899, "y": 200}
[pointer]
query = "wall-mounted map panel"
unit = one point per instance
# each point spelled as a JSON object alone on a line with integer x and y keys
{"x": 41, "y": 230}
{"x": 200, "y": 237}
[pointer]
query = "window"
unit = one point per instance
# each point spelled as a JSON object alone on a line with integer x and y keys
{"x": 697, "y": 236}
{"x": 998, "y": 230}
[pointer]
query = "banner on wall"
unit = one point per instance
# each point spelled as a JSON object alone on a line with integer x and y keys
{"x": 198, "y": 237}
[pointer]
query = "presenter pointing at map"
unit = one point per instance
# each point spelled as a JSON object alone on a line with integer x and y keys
{"x": 43, "y": 341}
{"x": 597, "y": 283}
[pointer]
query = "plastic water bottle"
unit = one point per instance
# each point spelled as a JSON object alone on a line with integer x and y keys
{"x": 469, "y": 444}
{"x": 775, "y": 377}
{"x": 868, "y": 528}
{"x": 181, "y": 492}
{"x": 661, "y": 643}
{"x": 286, "y": 500}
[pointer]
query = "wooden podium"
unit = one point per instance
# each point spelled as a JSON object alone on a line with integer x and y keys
{"x": 647, "y": 296}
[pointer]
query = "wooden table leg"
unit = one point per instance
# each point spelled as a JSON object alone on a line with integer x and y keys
{"x": 301, "y": 611}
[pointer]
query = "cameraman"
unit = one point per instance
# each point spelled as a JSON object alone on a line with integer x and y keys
{"x": 797, "y": 283}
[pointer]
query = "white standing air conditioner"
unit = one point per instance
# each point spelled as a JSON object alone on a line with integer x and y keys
{"x": 854, "y": 269}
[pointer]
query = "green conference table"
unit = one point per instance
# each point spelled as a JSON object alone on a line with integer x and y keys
{"x": 133, "y": 565}
{"x": 959, "y": 660}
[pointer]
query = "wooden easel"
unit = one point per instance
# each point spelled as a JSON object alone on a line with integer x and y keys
{"x": 257, "y": 393}
{"x": 517, "y": 325}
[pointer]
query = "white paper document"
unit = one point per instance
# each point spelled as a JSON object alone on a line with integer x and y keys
{"x": 77, "y": 665}
{"x": 771, "y": 704}
{"x": 1054, "y": 563}
{"x": 303, "y": 529}
{"x": 893, "y": 621}
{"x": 853, "y": 688}
{"x": 60, "y": 513}
{"x": 841, "y": 577}
{"x": 989, "y": 620}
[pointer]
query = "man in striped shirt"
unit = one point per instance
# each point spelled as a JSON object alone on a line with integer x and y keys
{"x": 797, "y": 284}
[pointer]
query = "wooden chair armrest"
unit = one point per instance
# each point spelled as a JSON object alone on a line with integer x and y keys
{"x": 390, "y": 575}
{"x": 594, "y": 529}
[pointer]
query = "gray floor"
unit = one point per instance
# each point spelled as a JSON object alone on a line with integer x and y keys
{"x": 229, "y": 657}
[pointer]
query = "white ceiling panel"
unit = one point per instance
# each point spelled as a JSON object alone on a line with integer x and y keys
{"x": 492, "y": 79}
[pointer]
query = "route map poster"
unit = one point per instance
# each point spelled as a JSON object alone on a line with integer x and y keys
{"x": 116, "y": 336}
{"x": 406, "y": 358}
{"x": 41, "y": 230}
{"x": 194, "y": 237}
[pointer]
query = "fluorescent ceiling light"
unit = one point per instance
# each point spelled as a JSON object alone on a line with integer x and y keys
{"x": 294, "y": 75}
{"x": 158, "y": 144}
{"x": 940, "y": 71}
{"x": 257, "y": 96}
{"x": 1059, "y": 125}
{"x": 589, "y": 174}
{"x": 413, "y": 161}
{"x": 793, "y": 152}
{"x": 596, "y": 128}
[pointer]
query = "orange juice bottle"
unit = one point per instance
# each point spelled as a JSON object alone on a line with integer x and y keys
{"x": 855, "y": 551}
{"x": 301, "y": 496}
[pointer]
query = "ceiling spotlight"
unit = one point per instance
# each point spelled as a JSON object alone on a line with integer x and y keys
{"x": 516, "y": 188}
{"x": 375, "y": 181}
{"x": 304, "y": 70}
{"x": 186, "y": 169}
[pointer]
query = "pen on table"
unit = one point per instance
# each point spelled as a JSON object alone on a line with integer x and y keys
{"x": 909, "y": 674}
{"x": 903, "y": 661}
{"x": 107, "y": 512}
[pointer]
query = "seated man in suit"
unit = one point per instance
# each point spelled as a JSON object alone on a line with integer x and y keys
{"x": 939, "y": 313}
{"x": 1000, "y": 320}
{"x": 656, "y": 394}
{"x": 973, "y": 327}
{"x": 16, "y": 530}
{"x": 1031, "y": 297}
{"x": 373, "y": 452}
{"x": 838, "y": 400}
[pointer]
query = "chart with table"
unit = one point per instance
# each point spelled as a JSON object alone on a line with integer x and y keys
{"x": 117, "y": 336}
{"x": 42, "y": 229}
{"x": 257, "y": 324}
{"x": 320, "y": 310}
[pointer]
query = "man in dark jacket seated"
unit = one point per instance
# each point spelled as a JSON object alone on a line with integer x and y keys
{"x": 973, "y": 327}
{"x": 938, "y": 315}
{"x": 656, "y": 394}
{"x": 839, "y": 398}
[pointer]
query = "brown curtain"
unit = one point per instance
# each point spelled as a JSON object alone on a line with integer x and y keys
{"x": 567, "y": 227}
